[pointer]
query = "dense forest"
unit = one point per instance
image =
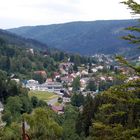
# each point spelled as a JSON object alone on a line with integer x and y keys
{"x": 86, "y": 38}
{"x": 23, "y": 61}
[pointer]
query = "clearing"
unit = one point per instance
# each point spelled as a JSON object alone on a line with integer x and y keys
{"x": 43, "y": 95}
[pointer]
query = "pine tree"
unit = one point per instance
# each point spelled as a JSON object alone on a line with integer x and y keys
{"x": 134, "y": 37}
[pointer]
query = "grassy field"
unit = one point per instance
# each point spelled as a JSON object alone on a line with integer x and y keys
{"x": 43, "y": 95}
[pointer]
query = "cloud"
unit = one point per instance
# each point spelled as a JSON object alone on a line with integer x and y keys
{"x": 33, "y": 12}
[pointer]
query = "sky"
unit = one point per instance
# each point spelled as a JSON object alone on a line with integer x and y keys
{"x": 15, "y": 13}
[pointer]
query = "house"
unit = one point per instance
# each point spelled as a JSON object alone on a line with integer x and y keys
{"x": 133, "y": 78}
{"x": 139, "y": 58}
{"x": 84, "y": 73}
{"x": 73, "y": 75}
{"x": 102, "y": 78}
{"x": 110, "y": 78}
{"x": 32, "y": 84}
{"x": 94, "y": 70}
{"x": 48, "y": 86}
{"x": 53, "y": 87}
{"x": 32, "y": 81}
{"x": 69, "y": 88}
{"x": 99, "y": 67}
{"x": 66, "y": 100}
{"x": 56, "y": 75}
{"x": 30, "y": 50}
{"x": 49, "y": 80}
{"x": 16, "y": 80}
{"x": 66, "y": 66}
{"x": 78, "y": 74}
{"x": 63, "y": 72}
{"x": 84, "y": 80}
{"x": 67, "y": 79}
{"x": 41, "y": 72}
{"x": 66, "y": 97}
{"x": 58, "y": 109}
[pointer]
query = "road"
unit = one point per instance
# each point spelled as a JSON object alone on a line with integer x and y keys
{"x": 53, "y": 101}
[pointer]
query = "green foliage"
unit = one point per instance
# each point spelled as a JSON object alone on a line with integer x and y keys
{"x": 37, "y": 103}
{"x": 116, "y": 112}
{"x": 21, "y": 61}
{"x": 26, "y": 104}
{"x": 91, "y": 85}
{"x": 77, "y": 99}
{"x": 12, "y": 132}
{"x": 76, "y": 84}
{"x": 7, "y": 117}
{"x": 14, "y": 107}
{"x": 40, "y": 78}
{"x": 133, "y": 38}
{"x": 126, "y": 63}
{"x": 134, "y": 6}
{"x": 60, "y": 100}
{"x": 75, "y": 68}
{"x": 42, "y": 125}
{"x": 85, "y": 119}
{"x": 9, "y": 87}
{"x": 68, "y": 124}
{"x": 113, "y": 114}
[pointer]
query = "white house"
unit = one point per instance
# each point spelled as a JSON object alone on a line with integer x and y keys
{"x": 32, "y": 81}
{"x": 94, "y": 70}
{"x": 16, "y": 80}
{"x": 103, "y": 78}
{"x": 84, "y": 72}
{"x": 99, "y": 67}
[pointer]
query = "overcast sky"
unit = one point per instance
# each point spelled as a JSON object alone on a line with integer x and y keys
{"x": 15, "y": 13}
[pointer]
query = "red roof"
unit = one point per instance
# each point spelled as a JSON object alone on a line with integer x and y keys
{"x": 57, "y": 108}
{"x": 40, "y": 72}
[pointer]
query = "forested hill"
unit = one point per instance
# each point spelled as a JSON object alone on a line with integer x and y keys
{"x": 82, "y": 37}
{"x": 22, "y": 62}
{"x": 18, "y": 58}
{"x": 13, "y": 39}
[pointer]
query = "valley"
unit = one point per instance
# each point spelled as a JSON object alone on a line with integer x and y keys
{"x": 78, "y": 80}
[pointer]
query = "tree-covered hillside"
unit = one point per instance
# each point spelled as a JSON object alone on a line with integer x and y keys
{"x": 16, "y": 40}
{"x": 22, "y": 60}
{"x": 86, "y": 38}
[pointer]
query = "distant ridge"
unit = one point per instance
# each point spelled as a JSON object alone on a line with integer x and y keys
{"x": 85, "y": 38}
{"x": 13, "y": 39}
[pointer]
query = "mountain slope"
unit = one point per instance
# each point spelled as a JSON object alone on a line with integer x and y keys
{"x": 81, "y": 37}
{"x": 17, "y": 40}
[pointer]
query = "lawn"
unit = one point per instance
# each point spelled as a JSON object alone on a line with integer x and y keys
{"x": 43, "y": 95}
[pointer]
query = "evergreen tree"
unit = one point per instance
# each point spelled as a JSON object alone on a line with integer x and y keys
{"x": 76, "y": 84}
{"x": 134, "y": 37}
{"x": 91, "y": 85}
{"x": 77, "y": 99}
{"x": 85, "y": 118}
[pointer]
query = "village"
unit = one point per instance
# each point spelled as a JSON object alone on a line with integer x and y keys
{"x": 93, "y": 78}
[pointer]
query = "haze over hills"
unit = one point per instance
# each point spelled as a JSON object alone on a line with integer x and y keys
{"x": 81, "y": 37}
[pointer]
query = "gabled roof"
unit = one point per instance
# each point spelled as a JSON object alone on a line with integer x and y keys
{"x": 57, "y": 108}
